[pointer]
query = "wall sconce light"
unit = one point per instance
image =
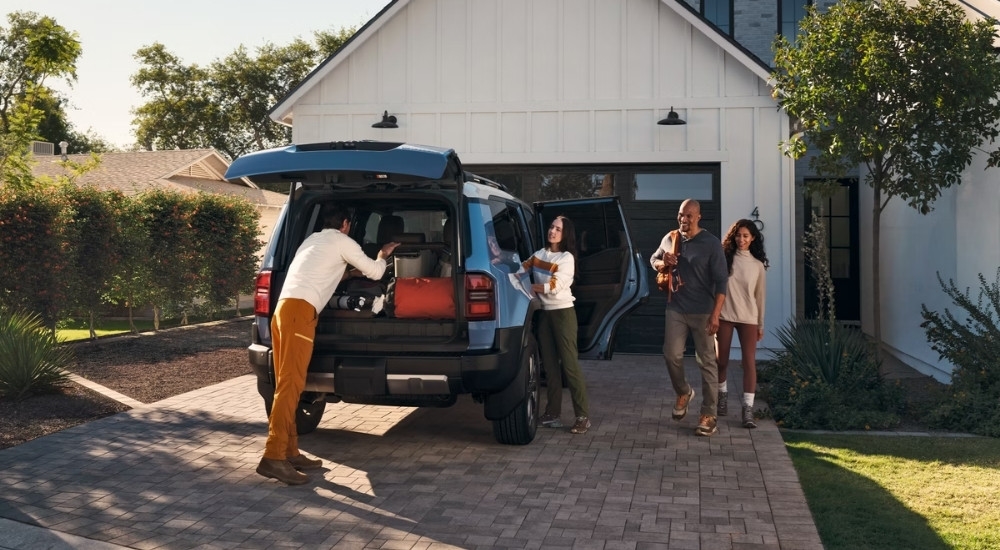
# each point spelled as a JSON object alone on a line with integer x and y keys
{"x": 673, "y": 119}
{"x": 388, "y": 121}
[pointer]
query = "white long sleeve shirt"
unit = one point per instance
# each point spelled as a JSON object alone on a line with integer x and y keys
{"x": 320, "y": 263}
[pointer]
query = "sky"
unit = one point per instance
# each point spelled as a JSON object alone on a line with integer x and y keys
{"x": 197, "y": 32}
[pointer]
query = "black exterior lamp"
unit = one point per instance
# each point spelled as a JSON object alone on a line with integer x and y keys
{"x": 673, "y": 119}
{"x": 388, "y": 121}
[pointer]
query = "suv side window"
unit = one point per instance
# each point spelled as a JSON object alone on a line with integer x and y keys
{"x": 508, "y": 242}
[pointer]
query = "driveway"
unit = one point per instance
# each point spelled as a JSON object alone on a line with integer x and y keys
{"x": 180, "y": 474}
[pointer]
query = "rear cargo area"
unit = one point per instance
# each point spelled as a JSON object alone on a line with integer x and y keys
{"x": 416, "y": 300}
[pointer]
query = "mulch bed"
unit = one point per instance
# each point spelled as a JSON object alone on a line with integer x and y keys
{"x": 147, "y": 367}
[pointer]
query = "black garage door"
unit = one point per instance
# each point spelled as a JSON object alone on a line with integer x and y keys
{"x": 651, "y": 196}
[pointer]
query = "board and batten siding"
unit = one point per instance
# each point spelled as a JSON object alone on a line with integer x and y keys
{"x": 567, "y": 82}
{"x": 524, "y": 79}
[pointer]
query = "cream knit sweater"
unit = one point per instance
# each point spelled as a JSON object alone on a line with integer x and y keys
{"x": 745, "y": 299}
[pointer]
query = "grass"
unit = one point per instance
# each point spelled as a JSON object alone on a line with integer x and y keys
{"x": 72, "y": 330}
{"x": 891, "y": 492}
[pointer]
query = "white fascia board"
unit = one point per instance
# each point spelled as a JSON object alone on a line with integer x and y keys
{"x": 714, "y": 35}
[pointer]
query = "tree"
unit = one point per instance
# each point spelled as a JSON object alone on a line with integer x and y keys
{"x": 909, "y": 93}
{"x": 225, "y": 105}
{"x": 32, "y": 49}
{"x": 172, "y": 251}
{"x": 248, "y": 87}
{"x": 178, "y": 113}
{"x": 226, "y": 234}
{"x": 94, "y": 243}
{"x": 35, "y": 260}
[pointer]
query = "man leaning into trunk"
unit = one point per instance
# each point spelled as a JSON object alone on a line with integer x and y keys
{"x": 316, "y": 270}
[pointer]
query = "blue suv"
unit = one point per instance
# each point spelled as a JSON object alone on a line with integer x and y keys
{"x": 462, "y": 236}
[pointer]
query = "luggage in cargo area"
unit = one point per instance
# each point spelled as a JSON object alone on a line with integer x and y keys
{"x": 423, "y": 298}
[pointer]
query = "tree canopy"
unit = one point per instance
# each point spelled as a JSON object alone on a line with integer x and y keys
{"x": 907, "y": 92}
{"x": 224, "y": 105}
{"x": 32, "y": 49}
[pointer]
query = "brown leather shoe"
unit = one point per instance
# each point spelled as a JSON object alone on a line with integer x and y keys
{"x": 707, "y": 425}
{"x": 282, "y": 470}
{"x": 300, "y": 462}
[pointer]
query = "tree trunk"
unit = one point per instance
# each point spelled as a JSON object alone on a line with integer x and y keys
{"x": 876, "y": 273}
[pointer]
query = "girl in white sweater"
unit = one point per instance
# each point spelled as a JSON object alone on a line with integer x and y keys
{"x": 552, "y": 270}
{"x": 743, "y": 310}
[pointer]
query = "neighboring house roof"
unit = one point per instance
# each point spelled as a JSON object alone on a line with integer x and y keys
{"x": 184, "y": 171}
{"x": 283, "y": 111}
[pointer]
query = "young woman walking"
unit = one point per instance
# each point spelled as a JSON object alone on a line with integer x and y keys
{"x": 743, "y": 311}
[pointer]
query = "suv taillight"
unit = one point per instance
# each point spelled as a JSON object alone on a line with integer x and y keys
{"x": 480, "y": 298}
{"x": 262, "y": 294}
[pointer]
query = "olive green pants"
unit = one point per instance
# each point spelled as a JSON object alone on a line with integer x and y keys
{"x": 557, "y": 343}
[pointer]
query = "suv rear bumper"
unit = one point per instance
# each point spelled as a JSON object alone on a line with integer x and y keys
{"x": 358, "y": 375}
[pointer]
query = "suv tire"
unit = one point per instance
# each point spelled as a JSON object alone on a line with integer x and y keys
{"x": 308, "y": 414}
{"x": 519, "y": 427}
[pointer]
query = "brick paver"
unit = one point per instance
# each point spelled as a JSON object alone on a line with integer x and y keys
{"x": 180, "y": 474}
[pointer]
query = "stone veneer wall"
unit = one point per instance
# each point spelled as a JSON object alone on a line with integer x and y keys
{"x": 756, "y": 24}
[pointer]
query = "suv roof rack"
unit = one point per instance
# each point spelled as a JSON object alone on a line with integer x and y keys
{"x": 473, "y": 178}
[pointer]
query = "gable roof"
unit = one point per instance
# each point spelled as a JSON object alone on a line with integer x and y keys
{"x": 283, "y": 111}
{"x": 184, "y": 171}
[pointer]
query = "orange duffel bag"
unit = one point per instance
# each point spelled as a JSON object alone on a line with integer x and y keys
{"x": 424, "y": 298}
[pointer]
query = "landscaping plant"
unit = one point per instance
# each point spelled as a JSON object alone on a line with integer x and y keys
{"x": 31, "y": 358}
{"x": 827, "y": 377}
{"x": 970, "y": 341}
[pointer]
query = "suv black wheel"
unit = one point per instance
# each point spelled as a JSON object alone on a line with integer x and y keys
{"x": 519, "y": 427}
{"x": 310, "y": 412}
{"x": 307, "y": 415}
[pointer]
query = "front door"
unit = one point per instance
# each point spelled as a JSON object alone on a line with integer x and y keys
{"x": 839, "y": 216}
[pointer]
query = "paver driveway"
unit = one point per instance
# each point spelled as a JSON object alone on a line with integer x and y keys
{"x": 180, "y": 474}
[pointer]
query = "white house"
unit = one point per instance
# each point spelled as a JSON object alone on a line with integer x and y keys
{"x": 525, "y": 90}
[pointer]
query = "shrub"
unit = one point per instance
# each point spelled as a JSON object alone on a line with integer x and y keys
{"x": 31, "y": 359}
{"x": 972, "y": 344}
{"x": 827, "y": 377}
{"x": 34, "y": 253}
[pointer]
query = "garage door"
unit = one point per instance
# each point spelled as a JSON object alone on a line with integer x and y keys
{"x": 652, "y": 208}
{"x": 650, "y": 195}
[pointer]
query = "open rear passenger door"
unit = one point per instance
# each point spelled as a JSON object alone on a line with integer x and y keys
{"x": 611, "y": 279}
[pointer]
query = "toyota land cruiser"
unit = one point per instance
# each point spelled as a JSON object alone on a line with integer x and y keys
{"x": 455, "y": 228}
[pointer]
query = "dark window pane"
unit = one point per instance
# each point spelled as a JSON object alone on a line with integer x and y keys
{"x": 673, "y": 187}
{"x": 717, "y": 11}
{"x": 572, "y": 186}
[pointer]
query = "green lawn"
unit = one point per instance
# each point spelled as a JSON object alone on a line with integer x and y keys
{"x": 69, "y": 331}
{"x": 894, "y": 492}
